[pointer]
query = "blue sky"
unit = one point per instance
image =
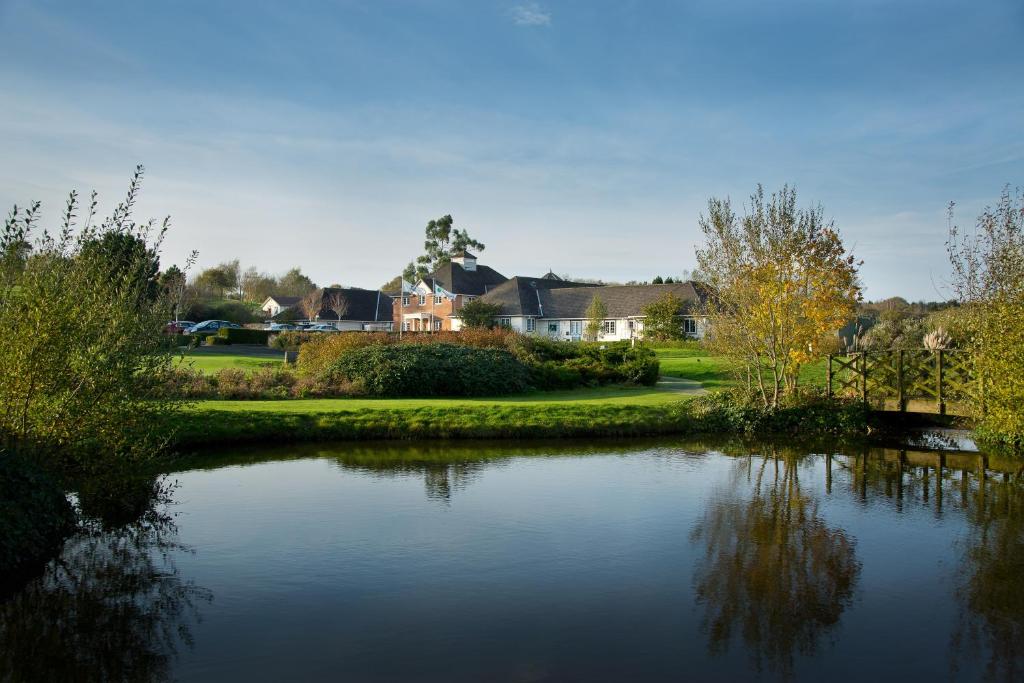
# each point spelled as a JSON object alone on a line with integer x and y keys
{"x": 581, "y": 136}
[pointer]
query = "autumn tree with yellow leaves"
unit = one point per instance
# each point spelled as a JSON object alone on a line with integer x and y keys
{"x": 782, "y": 283}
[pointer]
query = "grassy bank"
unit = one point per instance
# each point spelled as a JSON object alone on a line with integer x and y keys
{"x": 212, "y": 360}
{"x": 715, "y": 372}
{"x": 223, "y": 422}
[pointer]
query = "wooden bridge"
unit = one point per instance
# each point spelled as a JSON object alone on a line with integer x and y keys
{"x": 913, "y": 381}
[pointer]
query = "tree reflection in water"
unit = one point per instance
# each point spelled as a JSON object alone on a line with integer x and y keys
{"x": 771, "y": 569}
{"x": 113, "y": 607}
{"x": 990, "y": 580}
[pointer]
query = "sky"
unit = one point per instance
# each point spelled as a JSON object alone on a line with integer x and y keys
{"x": 580, "y": 136}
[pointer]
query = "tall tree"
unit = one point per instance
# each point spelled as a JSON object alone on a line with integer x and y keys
{"x": 782, "y": 284}
{"x": 295, "y": 283}
{"x": 596, "y": 313}
{"x": 988, "y": 269}
{"x": 442, "y": 242}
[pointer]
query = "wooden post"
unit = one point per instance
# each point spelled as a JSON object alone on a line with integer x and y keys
{"x": 938, "y": 378}
{"x": 864, "y": 376}
{"x": 900, "y": 391}
{"x": 828, "y": 377}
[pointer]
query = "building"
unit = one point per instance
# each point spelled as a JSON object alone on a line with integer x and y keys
{"x": 273, "y": 305}
{"x": 558, "y": 309}
{"x": 351, "y": 309}
{"x": 433, "y": 302}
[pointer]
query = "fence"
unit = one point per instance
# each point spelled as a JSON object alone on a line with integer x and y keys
{"x": 916, "y": 381}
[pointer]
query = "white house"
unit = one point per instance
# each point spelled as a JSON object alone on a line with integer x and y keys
{"x": 558, "y": 308}
{"x": 275, "y": 304}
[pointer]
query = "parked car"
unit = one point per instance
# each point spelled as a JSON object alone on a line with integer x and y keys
{"x": 281, "y": 327}
{"x": 210, "y": 327}
{"x": 177, "y": 326}
{"x": 322, "y": 327}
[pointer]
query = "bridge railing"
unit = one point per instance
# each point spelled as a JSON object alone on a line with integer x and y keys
{"x": 915, "y": 380}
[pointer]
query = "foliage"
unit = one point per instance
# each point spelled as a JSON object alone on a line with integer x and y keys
{"x": 661, "y": 319}
{"x": 83, "y": 336}
{"x": 441, "y": 244}
{"x": 782, "y": 283}
{"x": 894, "y": 330}
{"x": 236, "y": 335}
{"x": 291, "y": 340}
{"x": 478, "y": 314}
{"x": 220, "y": 279}
{"x": 430, "y": 370}
{"x": 294, "y": 283}
{"x": 232, "y": 311}
{"x": 988, "y": 270}
{"x": 319, "y": 352}
{"x": 596, "y": 313}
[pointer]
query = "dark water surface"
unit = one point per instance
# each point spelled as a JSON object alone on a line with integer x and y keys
{"x": 657, "y": 560}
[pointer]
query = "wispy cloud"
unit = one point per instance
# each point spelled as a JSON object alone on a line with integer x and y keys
{"x": 531, "y": 14}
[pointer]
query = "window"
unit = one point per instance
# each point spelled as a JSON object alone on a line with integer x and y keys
{"x": 690, "y": 326}
{"x": 437, "y": 324}
{"x": 438, "y": 299}
{"x": 470, "y": 297}
{"x": 423, "y": 299}
{"x": 405, "y": 301}
{"x": 531, "y": 324}
{"x": 632, "y": 325}
{"x": 505, "y": 322}
{"x": 405, "y": 327}
{"x": 575, "y": 327}
{"x": 552, "y": 328}
{"x": 608, "y": 327}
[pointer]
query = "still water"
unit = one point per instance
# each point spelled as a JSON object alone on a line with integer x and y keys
{"x": 651, "y": 560}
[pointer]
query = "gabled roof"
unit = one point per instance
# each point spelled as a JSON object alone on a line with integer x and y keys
{"x": 369, "y": 305}
{"x": 552, "y": 299}
{"x": 454, "y": 278}
{"x": 522, "y": 295}
{"x": 464, "y": 254}
{"x": 283, "y": 300}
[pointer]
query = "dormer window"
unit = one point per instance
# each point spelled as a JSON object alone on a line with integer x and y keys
{"x": 466, "y": 260}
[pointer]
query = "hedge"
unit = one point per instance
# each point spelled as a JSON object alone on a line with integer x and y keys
{"x": 236, "y": 335}
{"x": 429, "y": 370}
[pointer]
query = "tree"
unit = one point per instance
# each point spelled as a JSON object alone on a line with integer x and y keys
{"x": 782, "y": 284}
{"x": 479, "y": 314}
{"x": 661, "y": 318}
{"x": 126, "y": 255}
{"x": 175, "y": 287}
{"x": 217, "y": 280}
{"x": 988, "y": 278}
{"x": 257, "y": 286}
{"x": 84, "y": 351}
{"x": 336, "y": 301}
{"x": 441, "y": 244}
{"x": 657, "y": 280}
{"x": 596, "y": 313}
{"x": 294, "y": 283}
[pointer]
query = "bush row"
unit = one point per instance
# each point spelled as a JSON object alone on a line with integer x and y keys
{"x": 236, "y": 384}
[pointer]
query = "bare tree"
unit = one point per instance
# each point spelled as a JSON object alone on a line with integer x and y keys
{"x": 337, "y": 302}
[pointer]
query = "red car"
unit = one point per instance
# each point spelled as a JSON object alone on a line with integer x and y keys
{"x": 177, "y": 326}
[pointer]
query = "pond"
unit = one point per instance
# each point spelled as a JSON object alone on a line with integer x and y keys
{"x": 647, "y": 560}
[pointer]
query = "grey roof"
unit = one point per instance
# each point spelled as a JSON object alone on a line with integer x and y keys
{"x": 553, "y": 299}
{"x": 524, "y": 295}
{"x": 285, "y": 300}
{"x": 457, "y": 280}
{"x": 464, "y": 254}
{"x": 369, "y": 305}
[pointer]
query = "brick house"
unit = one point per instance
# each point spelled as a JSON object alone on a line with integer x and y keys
{"x": 433, "y": 302}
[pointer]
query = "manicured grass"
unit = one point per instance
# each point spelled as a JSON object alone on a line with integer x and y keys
{"x": 715, "y": 372}
{"x": 210, "y": 361}
{"x": 635, "y": 396}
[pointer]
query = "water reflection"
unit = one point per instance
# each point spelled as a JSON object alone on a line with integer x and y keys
{"x": 113, "y": 607}
{"x": 772, "y": 573}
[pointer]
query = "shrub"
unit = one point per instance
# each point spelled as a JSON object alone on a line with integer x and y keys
{"x": 430, "y": 370}
{"x": 317, "y": 354}
{"x": 235, "y": 335}
{"x": 291, "y": 341}
{"x": 232, "y": 311}
{"x": 215, "y": 340}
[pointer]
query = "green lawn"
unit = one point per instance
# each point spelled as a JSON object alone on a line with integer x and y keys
{"x": 209, "y": 360}
{"x": 635, "y": 396}
{"x": 713, "y": 372}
